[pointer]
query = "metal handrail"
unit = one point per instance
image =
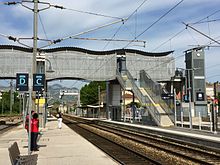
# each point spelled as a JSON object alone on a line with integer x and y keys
{"x": 150, "y": 86}
{"x": 143, "y": 99}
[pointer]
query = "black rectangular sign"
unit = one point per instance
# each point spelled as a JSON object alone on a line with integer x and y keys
{"x": 200, "y": 96}
{"x": 22, "y": 81}
{"x": 38, "y": 82}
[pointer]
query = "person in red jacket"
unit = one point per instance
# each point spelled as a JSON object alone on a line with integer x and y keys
{"x": 34, "y": 132}
{"x": 27, "y": 121}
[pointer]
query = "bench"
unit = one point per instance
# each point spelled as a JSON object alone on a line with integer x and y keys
{"x": 18, "y": 159}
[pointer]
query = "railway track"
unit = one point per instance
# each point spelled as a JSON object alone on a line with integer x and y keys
{"x": 119, "y": 153}
{"x": 182, "y": 150}
{"x": 6, "y": 127}
{"x": 154, "y": 149}
{"x": 9, "y": 122}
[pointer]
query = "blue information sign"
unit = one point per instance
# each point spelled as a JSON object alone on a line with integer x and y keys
{"x": 38, "y": 82}
{"x": 22, "y": 81}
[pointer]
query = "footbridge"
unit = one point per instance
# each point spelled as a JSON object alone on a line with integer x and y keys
{"x": 78, "y": 63}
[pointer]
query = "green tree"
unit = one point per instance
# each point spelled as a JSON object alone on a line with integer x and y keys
{"x": 89, "y": 93}
{"x": 5, "y": 103}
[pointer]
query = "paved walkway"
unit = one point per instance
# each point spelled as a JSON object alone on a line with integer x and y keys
{"x": 57, "y": 147}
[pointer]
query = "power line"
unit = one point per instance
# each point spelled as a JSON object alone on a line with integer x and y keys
{"x": 126, "y": 21}
{"x": 154, "y": 24}
{"x": 174, "y": 37}
{"x": 201, "y": 22}
{"x": 169, "y": 39}
{"x": 43, "y": 27}
{"x": 118, "y": 31}
{"x": 197, "y": 22}
{"x": 96, "y": 14}
{"x": 187, "y": 25}
{"x": 81, "y": 33}
{"x": 121, "y": 25}
{"x": 156, "y": 21}
{"x": 60, "y": 7}
{"x": 3, "y": 35}
{"x": 107, "y": 39}
{"x": 85, "y": 12}
{"x": 206, "y": 17}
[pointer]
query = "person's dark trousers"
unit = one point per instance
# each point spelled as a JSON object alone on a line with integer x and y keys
{"x": 34, "y": 141}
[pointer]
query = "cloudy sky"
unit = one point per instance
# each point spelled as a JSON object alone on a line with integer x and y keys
{"x": 160, "y": 23}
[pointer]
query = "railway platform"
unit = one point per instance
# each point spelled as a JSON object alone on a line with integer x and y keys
{"x": 57, "y": 146}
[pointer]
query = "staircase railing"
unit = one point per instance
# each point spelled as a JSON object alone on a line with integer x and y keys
{"x": 120, "y": 79}
{"x": 154, "y": 89}
{"x": 143, "y": 99}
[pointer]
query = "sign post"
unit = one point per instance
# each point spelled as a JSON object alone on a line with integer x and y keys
{"x": 39, "y": 86}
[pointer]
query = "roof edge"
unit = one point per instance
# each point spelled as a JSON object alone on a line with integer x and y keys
{"x": 108, "y": 52}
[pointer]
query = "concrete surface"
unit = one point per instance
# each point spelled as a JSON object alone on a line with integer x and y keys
{"x": 57, "y": 147}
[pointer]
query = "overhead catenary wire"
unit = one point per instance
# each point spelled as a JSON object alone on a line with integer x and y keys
{"x": 85, "y": 12}
{"x": 201, "y": 20}
{"x": 175, "y": 35}
{"x": 107, "y": 39}
{"x": 145, "y": 30}
{"x": 61, "y": 7}
{"x": 187, "y": 25}
{"x": 81, "y": 33}
{"x": 41, "y": 22}
{"x": 59, "y": 40}
{"x": 125, "y": 21}
{"x": 4, "y": 35}
{"x": 161, "y": 17}
{"x": 154, "y": 24}
{"x": 208, "y": 21}
{"x": 96, "y": 14}
{"x": 197, "y": 22}
{"x": 180, "y": 56}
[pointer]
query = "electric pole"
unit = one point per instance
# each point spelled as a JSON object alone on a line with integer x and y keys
{"x": 31, "y": 104}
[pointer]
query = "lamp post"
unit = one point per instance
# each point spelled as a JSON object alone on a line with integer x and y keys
{"x": 50, "y": 70}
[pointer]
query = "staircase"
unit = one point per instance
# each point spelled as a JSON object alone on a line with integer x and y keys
{"x": 158, "y": 114}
